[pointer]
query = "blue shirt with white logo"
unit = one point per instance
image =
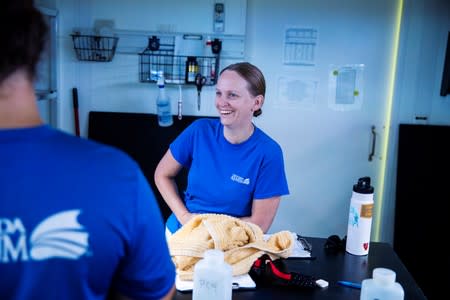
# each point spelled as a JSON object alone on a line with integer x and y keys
{"x": 223, "y": 177}
{"x": 76, "y": 219}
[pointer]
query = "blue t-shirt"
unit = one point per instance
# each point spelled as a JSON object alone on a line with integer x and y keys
{"x": 223, "y": 177}
{"x": 76, "y": 218}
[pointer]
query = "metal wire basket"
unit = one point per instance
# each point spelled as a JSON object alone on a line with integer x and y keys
{"x": 94, "y": 48}
{"x": 177, "y": 69}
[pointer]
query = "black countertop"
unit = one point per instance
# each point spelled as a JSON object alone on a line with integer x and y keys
{"x": 333, "y": 267}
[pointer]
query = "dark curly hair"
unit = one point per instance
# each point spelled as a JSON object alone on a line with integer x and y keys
{"x": 256, "y": 84}
{"x": 23, "y": 37}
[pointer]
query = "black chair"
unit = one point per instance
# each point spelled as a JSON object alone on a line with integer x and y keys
{"x": 139, "y": 135}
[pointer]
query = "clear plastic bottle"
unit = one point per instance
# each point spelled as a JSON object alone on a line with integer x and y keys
{"x": 212, "y": 277}
{"x": 382, "y": 286}
{"x": 163, "y": 106}
{"x": 360, "y": 218}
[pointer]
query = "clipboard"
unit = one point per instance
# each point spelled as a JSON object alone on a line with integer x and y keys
{"x": 241, "y": 282}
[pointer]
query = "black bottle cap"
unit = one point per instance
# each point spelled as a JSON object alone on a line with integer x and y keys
{"x": 216, "y": 46}
{"x": 153, "y": 43}
{"x": 363, "y": 186}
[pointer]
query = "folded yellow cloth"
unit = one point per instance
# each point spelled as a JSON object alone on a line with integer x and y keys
{"x": 242, "y": 243}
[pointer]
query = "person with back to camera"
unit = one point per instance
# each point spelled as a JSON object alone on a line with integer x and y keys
{"x": 234, "y": 167}
{"x": 78, "y": 219}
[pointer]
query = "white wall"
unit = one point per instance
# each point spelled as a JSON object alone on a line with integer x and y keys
{"x": 326, "y": 149}
{"x": 424, "y": 39}
{"x": 114, "y": 86}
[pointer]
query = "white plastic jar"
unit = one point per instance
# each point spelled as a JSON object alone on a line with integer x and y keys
{"x": 382, "y": 286}
{"x": 212, "y": 277}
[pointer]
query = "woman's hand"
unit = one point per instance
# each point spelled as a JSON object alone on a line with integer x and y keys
{"x": 263, "y": 212}
{"x": 186, "y": 217}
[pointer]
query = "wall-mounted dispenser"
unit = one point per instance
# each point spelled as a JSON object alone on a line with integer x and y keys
{"x": 219, "y": 17}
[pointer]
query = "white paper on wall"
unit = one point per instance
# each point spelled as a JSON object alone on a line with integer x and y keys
{"x": 345, "y": 87}
{"x": 300, "y": 46}
{"x": 296, "y": 92}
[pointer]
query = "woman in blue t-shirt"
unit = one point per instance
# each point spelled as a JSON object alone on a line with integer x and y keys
{"x": 234, "y": 167}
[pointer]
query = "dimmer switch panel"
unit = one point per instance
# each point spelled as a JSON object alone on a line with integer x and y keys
{"x": 219, "y": 17}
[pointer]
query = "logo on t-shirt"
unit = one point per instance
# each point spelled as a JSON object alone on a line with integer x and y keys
{"x": 240, "y": 179}
{"x": 58, "y": 236}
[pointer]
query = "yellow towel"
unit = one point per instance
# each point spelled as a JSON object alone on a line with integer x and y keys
{"x": 242, "y": 243}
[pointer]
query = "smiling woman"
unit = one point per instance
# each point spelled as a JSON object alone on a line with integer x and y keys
{"x": 234, "y": 167}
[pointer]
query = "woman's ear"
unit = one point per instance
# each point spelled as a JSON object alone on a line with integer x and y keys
{"x": 259, "y": 101}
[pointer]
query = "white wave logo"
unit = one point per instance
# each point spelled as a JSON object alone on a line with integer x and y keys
{"x": 58, "y": 236}
{"x": 240, "y": 179}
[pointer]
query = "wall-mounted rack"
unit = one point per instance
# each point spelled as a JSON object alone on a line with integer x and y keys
{"x": 163, "y": 55}
{"x": 133, "y": 41}
{"x": 176, "y": 52}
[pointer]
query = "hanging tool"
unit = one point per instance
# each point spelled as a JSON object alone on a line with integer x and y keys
{"x": 199, "y": 82}
{"x": 75, "y": 111}
{"x": 180, "y": 102}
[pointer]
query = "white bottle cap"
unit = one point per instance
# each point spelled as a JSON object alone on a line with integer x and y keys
{"x": 160, "y": 81}
{"x": 383, "y": 275}
{"x": 214, "y": 254}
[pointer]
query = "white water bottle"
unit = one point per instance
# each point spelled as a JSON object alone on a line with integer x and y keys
{"x": 163, "y": 104}
{"x": 212, "y": 277}
{"x": 360, "y": 218}
{"x": 382, "y": 286}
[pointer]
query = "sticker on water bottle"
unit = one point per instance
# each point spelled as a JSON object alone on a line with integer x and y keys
{"x": 366, "y": 210}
